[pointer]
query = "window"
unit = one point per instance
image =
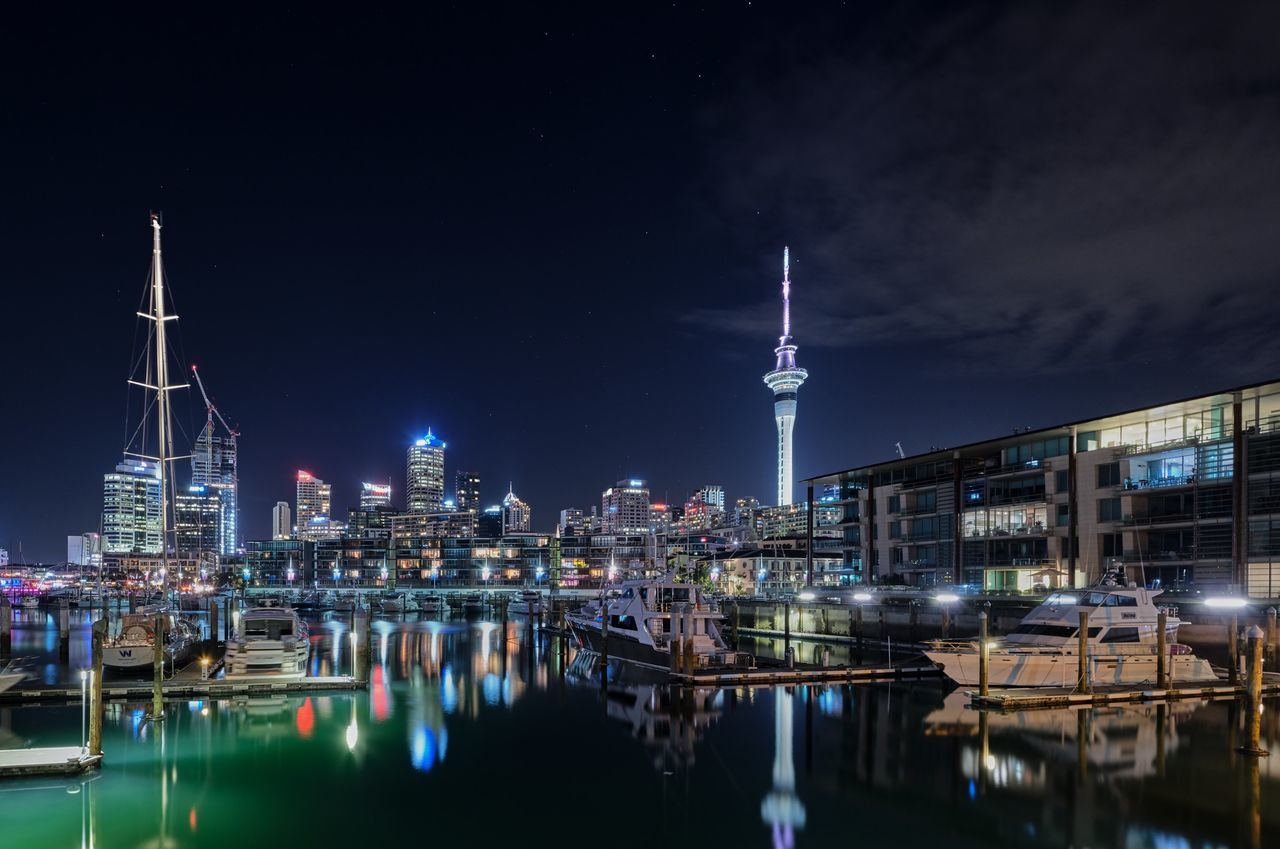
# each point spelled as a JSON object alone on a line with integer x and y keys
{"x": 1121, "y": 601}
{"x": 1061, "y": 481}
{"x": 1045, "y": 630}
{"x": 1109, "y": 474}
{"x": 1108, "y": 509}
{"x": 1064, "y": 515}
{"x": 1120, "y": 635}
{"x": 1112, "y": 545}
{"x": 895, "y": 503}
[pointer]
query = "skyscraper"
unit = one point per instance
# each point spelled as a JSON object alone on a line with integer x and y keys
{"x": 374, "y": 495}
{"x": 197, "y": 515}
{"x": 705, "y": 508}
{"x": 213, "y": 465}
{"x": 131, "y": 508}
{"x": 572, "y": 520}
{"x": 424, "y": 475}
{"x": 84, "y": 549}
{"x": 624, "y": 508}
{"x": 466, "y": 491}
{"x": 312, "y": 505}
{"x": 516, "y": 514}
{"x": 785, "y": 381}
{"x": 281, "y": 521}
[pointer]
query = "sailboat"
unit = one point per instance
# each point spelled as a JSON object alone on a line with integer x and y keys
{"x": 134, "y": 646}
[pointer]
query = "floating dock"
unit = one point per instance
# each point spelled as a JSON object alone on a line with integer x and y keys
{"x": 59, "y": 760}
{"x": 768, "y": 676}
{"x": 179, "y": 688}
{"x": 1039, "y": 698}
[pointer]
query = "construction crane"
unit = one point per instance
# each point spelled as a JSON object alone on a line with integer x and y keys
{"x": 230, "y": 526}
{"x": 211, "y": 410}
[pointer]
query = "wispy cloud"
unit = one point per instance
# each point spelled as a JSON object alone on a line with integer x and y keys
{"x": 1026, "y": 188}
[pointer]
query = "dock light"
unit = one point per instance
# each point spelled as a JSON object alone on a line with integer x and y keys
{"x": 947, "y": 598}
{"x": 204, "y": 669}
{"x": 353, "y": 655}
{"x": 860, "y": 597}
{"x": 383, "y": 572}
{"x": 806, "y": 597}
{"x": 1230, "y": 602}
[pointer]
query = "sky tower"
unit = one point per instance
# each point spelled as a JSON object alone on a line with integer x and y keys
{"x": 785, "y": 380}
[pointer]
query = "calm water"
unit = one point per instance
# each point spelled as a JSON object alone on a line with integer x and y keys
{"x": 475, "y": 734}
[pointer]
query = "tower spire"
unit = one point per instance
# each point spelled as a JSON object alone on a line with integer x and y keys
{"x": 785, "y": 380}
{"x": 786, "y": 295}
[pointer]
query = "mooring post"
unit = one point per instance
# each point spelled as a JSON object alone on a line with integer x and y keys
{"x": 677, "y": 644}
{"x": 786, "y": 624}
{"x": 604, "y": 643}
{"x": 157, "y": 669}
{"x": 64, "y": 629}
{"x": 1271, "y": 637}
{"x": 946, "y": 621}
{"x": 883, "y": 632}
{"x": 984, "y": 655}
{"x": 213, "y": 619}
{"x": 737, "y": 624}
{"x": 133, "y": 602}
{"x": 1082, "y": 676}
{"x": 6, "y": 627}
{"x": 690, "y": 630}
{"x": 1254, "y": 745}
{"x": 1233, "y": 649}
{"x": 913, "y": 621}
{"x": 1163, "y": 658}
{"x": 99, "y": 634}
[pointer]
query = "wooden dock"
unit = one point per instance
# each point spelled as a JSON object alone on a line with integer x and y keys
{"x": 59, "y": 760}
{"x": 1040, "y": 698}
{"x": 769, "y": 676}
{"x": 188, "y": 688}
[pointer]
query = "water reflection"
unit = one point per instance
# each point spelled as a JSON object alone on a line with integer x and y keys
{"x": 456, "y": 709}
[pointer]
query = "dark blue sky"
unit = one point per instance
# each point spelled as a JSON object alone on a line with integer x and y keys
{"x": 554, "y": 235}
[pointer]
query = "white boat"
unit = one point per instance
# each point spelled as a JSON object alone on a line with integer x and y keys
{"x": 270, "y": 641}
{"x": 31, "y": 602}
{"x": 1043, "y": 650}
{"x": 645, "y": 618}
{"x": 431, "y": 603}
{"x": 399, "y": 603}
{"x": 345, "y": 602}
{"x": 474, "y": 603}
{"x": 526, "y": 603}
{"x": 9, "y": 677}
{"x": 133, "y": 649}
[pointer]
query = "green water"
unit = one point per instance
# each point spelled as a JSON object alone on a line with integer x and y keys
{"x": 473, "y": 736}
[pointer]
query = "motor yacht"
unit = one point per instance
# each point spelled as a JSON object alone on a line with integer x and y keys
{"x": 526, "y": 603}
{"x": 399, "y": 603}
{"x": 1043, "y": 650}
{"x": 270, "y": 641}
{"x": 646, "y": 616}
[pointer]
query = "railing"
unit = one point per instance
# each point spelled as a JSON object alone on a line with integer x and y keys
{"x": 1037, "y": 529}
{"x": 1130, "y": 485}
{"x": 1164, "y": 519}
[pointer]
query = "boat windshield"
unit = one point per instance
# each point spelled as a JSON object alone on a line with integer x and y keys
{"x": 1080, "y": 599}
{"x": 271, "y": 629}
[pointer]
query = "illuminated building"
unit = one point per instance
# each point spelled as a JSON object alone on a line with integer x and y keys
{"x": 466, "y": 491}
{"x": 792, "y": 520}
{"x": 516, "y": 514}
{"x": 213, "y": 466}
{"x": 624, "y": 508}
{"x": 659, "y": 518}
{"x": 424, "y": 475}
{"x": 373, "y": 495}
{"x": 312, "y": 506}
{"x": 85, "y": 549}
{"x": 572, "y": 520}
{"x": 269, "y": 562}
{"x": 1182, "y": 492}
{"x": 446, "y": 523}
{"x": 785, "y": 381}
{"x": 744, "y": 511}
{"x": 374, "y": 520}
{"x": 197, "y": 515}
{"x": 131, "y": 508}
{"x": 704, "y": 509}
{"x": 489, "y": 523}
{"x": 281, "y": 521}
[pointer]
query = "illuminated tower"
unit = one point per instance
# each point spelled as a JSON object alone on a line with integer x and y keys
{"x": 785, "y": 380}
{"x": 424, "y": 475}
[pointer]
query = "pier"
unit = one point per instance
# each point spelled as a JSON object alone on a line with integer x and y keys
{"x": 57, "y": 760}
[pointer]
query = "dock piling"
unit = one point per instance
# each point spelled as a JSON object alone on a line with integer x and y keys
{"x": 1233, "y": 650}
{"x": 1082, "y": 678}
{"x": 6, "y": 627}
{"x": 157, "y": 668}
{"x": 95, "y": 687}
{"x": 1163, "y": 658}
{"x": 1254, "y": 703}
{"x": 1271, "y": 638}
{"x": 786, "y": 624}
{"x": 984, "y": 656}
{"x": 64, "y": 630}
{"x": 604, "y": 644}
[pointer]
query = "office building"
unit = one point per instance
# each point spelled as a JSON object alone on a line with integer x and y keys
{"x": 659, "y": 518}
{"x": 197, "y": 519}
{"x": 446, "y": 523}
{"x": 785, "y": 381}
{"x": 281, "y": 521}
{"x": 624, "y": 508}
{"x": 1184, "y": 493}
{"x": 572, "y": 520}
{"x": 489, "y": 522}
{"x": 131, "y": 508}
{"x": 792, "y": 520}
{"x": 312, "y": 506}
{"x": 516, "y": 514}
{"x": 279, "y": 563}
{"x": 704, "y": 509}
{"x": 466, "y": 492}
{"x": 373, "y": 495}
{"x": 745, "y": 510}
{"x": 213, "y": 466}
{"x": 424, "y": 475}
{"x": 375, "y": 520}
{"x": 85, "y": 549}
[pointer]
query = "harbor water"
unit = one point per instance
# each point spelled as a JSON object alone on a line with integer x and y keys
{"x": 477, "y": 732}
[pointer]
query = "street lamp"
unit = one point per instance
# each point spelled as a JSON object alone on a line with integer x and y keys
{"x": 537, "y": 574}
{"x": 760, "y": 576}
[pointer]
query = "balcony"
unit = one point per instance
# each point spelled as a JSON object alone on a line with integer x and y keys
{"x": 1131, "y": 486}
{"x": 918, "y": 511}
{"x": 1163, "y": 519}
{"x": 1036, "y": 530}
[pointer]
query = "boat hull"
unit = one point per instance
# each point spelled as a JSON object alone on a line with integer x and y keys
{"x": 1014, "y": 669}
{"x": 277, "y": 658}
{"x": 621, "y": 646}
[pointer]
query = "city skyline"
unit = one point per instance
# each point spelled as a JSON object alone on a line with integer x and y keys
{"x": 572, "y": 275}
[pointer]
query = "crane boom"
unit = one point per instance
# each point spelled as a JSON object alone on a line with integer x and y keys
{"x": 209, "y": 406}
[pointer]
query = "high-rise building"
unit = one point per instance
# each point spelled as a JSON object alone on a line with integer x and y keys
{"x": 213, "y": 465}
{"x": 659, "y": 518}
{"x": 572, "y": 520}
{"x": 744, "y": 511}
{"x": 131, "y": 508}
{"x": 197, "y": 519}
{"x": 705, "y": 508}
{"x": 516, "y": 514}
{"x": 4, "y": 557}
{"x": 424, "y": 475}
{"x": 489, "y": 523}
{"x": 312, "y": 505}
{"x": 281, "y": 521}
{"x": 84, "y": 549}
{"x": 374, "y": 495}
{"x": 466, "y": 492}
{"x": 624, "y": 508}
{"x": 785, "y": 381}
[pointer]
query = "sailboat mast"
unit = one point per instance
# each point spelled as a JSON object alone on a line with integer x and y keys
{"x": 162, "y": 394}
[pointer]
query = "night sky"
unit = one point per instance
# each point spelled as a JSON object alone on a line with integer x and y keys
{"x": 555, "y": 235}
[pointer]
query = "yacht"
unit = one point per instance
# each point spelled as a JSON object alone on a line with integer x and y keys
{"x": 431, "y": 603}
{"x": 473, "y": 603}
{"x": 31, "y": 602}
{"x": 526, "y": 603}
{"x": 270, "y": 641}
{"x": 346, "y": 602}
{"x": 10, "y": 676}
{"x": 133, "y": 649}
{"x": 641, "y": 626}
{"x": 1043, "y": 650}
{"x": 398, "y": 603}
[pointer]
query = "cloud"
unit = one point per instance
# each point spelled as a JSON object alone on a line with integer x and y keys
{"x": 1026, "y": 188}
